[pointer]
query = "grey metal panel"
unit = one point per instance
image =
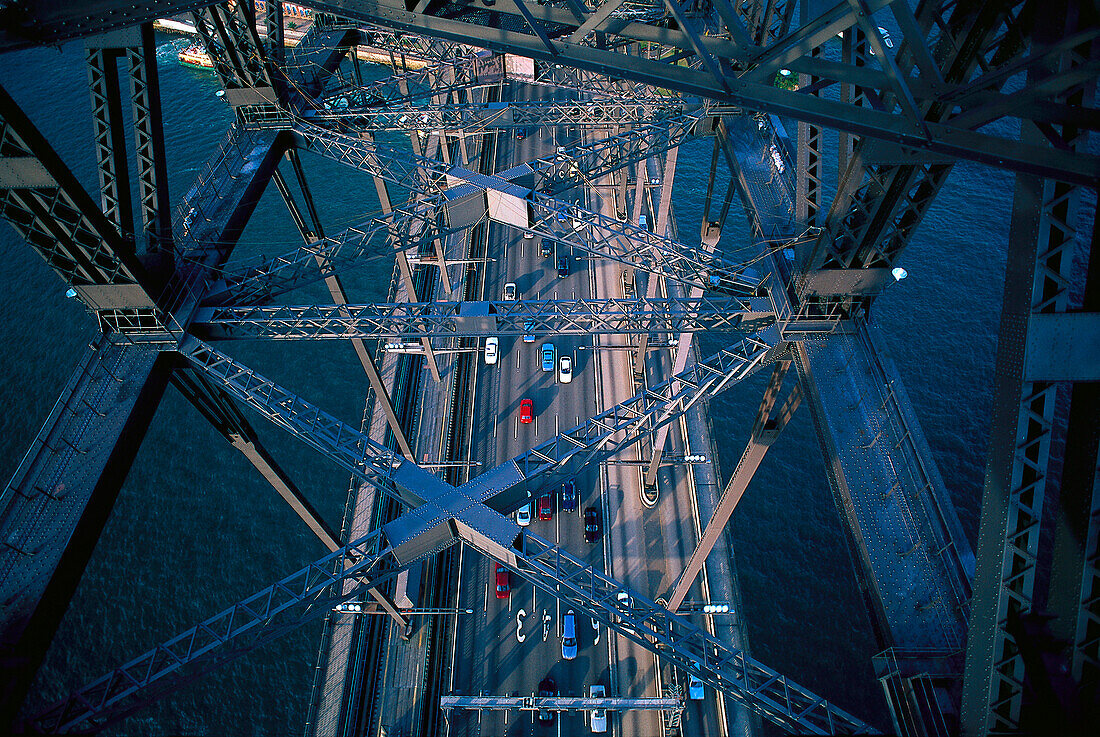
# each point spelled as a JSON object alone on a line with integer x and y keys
{"x": 848, "y": 281}
{"x": 113, "y": 296}
{"x": 418, "y": 533}
{"x": 238, "y": 96}
{"x": 24, "y": 172}
{"x": 1063, "y": 347}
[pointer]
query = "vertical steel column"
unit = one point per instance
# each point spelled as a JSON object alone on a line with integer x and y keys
{"x": 807, "y": 201}
{"x": 339, "y": 295}
{"x": 156, "y": 207}
{"x": 1081, "y": 527}
{"x": 110, "y": 135}
{"x": 641, "y": 179}
{"x": 438, "y": 244}
{"x": 403, "y": 267}
{"x": 1008, "y": 575}
{"x": 1085, "y": 666}
{"x": 765, "y": 431}
{"x": 685, "y": 339}
{"x": 273, "y": 29}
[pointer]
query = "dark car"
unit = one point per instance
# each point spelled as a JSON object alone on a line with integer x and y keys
{"x": 546, "y": 249}
{"x": 521, "y": 133}
{"x": 591, "y": 525}
{"x": 547, "y": 687}
{"x": 563, "y": 266}
{"x": 569, "y": 496}
{"x": 546, "y": 507}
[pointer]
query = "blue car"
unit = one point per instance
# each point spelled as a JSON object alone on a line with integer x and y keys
{"x": 569, "y": 636}
{"x": 547, "y": 356}
{"x": 528, "y": 331}
{"x": 569, "y": 496}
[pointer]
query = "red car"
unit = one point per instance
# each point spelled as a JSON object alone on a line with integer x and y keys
{"x": 526, "y": 411}
{"x": 546, "y": 507}
{"x": 504, "y": 586}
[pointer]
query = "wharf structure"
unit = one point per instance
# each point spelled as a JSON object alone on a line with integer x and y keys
{"x": 1000, "y": 639}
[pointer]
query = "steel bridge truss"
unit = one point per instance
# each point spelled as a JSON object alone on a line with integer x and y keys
{"x": 482, "y": 319}
{"x": 917, "y": 103}
{"x": 311, "y": 591}
{"x": 728, "y": 65}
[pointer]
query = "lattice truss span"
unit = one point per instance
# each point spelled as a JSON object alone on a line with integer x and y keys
{"x": 910, "y": 90}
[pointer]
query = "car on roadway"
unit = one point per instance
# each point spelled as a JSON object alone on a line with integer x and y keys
{"x": 643, "y": 223}
{"x": 492, "y": 350}
{"x": 504, "y": 586}
{"x": 591, "y": 525}
{"x": 569, "y": 636}
{"x": 548, "y": 356}
{"x": 547, "y": 687}
{"x": 528, "y": 331}
{"x": 625, "y": 602}
{"x": 545, "y": 507}
{"x": 521, "y": 133}
{"x": 569, "y": 496}
{"x": 563, "y": 266}
{"x": 695, "y": 686}
{"x": 528, "y": 235}
{"x": 599, "y": 716}
{"x": 510, "y": 292}
{"x": 526, "y": 411}
{"x": 546, "y": 249}
{"x": 523, "y": 515}
{"x": 565, "y": 369}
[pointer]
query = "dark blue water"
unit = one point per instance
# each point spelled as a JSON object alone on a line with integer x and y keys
{"x": 195, "y": 528}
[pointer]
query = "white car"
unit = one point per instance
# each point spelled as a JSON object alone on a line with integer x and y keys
{"x": 695, "y": 686}
{"x": 565, "y": 370}
{"x": 492, "y": 350}
{"x": 510, "y": 292}
{"x": 599, "y": 716}
{"x": 528, "y": 235}
{"x": 569, "y": 636}
{"x": 523, "y": 515}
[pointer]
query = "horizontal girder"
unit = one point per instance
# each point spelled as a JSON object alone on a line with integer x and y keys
{"x": 473, "y": 119}
{"x": 481, "y": 319}
{"x": 559, "y": 703}
{"x": 732, "y": 70}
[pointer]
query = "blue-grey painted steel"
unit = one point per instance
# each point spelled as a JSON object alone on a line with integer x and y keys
{"x": 481, "y": 319}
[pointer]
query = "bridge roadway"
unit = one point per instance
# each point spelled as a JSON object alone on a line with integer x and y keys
{"x": 644, "y": 546}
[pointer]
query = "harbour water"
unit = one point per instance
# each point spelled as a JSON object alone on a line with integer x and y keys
{"x": 195, "y": 528}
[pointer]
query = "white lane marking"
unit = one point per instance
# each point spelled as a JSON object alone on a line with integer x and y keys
{"x": 555, "y": 424}
{"x": 545, "y": 625}
{"x": 515, "y": 428}
{"x": 595, "y": 626}
{"x": 521, "y": 636}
